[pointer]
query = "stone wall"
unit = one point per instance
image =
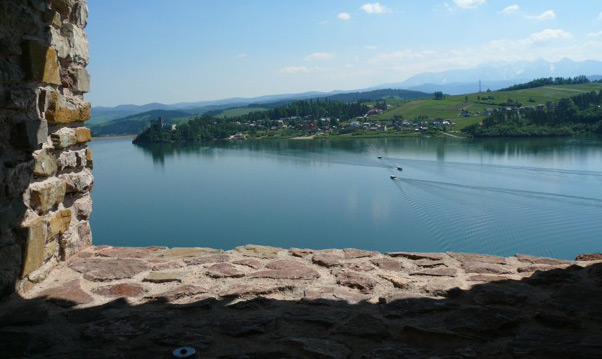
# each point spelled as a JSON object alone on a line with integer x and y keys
{"x": 45, "y": 164}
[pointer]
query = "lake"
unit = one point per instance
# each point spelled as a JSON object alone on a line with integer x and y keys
{"x": 495, "y": 196}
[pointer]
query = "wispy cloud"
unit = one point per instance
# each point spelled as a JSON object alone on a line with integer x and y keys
{"x": 546, "y": 15}
{"x": 595, "y": 34}
{"x": 370, "y": 47}
{"x": 510, "y": 10}
{"x": 319, "y": 56}
{"x": 243, "y": 55}
{"x": 294, "y": 70}
{"x": 547, "y": 35}
{"x": 469, "y": 4}
{"x": 344, "y": 16}
{"x": 375, "y": 8}
{"x": 599, "y": 18}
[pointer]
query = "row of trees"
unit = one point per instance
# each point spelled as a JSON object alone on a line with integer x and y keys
{"x": 547, "y": 81}
{"x": 297, "y": 113}
{"x": 569, "y": 116}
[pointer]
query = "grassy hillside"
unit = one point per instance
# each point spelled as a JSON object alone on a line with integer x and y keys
{"x": 240, "y": 111}
{"x": 134, "y": 124}
{"x": 451, "y": 106}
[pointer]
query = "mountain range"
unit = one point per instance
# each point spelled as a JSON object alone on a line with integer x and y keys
{"x": 493, "y": 76}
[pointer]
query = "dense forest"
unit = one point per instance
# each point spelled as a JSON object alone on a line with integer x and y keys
{"x": 297, "y": 114}
{"x": 548, "y": 81}
{"x": 569, "y": 116}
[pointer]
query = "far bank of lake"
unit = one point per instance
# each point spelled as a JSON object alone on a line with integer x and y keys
{"x": 500, "y": 196}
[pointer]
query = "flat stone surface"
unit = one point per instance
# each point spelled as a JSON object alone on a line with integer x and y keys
{"x": 212, "y": 258}
{"x": 100, "y": 270}
{"x": 397, "y": 280}
{"x": 326, "y": 260}
{"x": 224, "y": 270}
{"x": 179, "y": 292}
{"x": 485, "y": 268}
{"x": 436, "y": 272}
{"x": 188, "y": 252}
{"x": 389, "y": 264}
{"x": 166, "y": 276}
{"x": 129, "y": 252}
{"x": 266, "y": 252}
{"x": 289, "y": 306}
{"x": 474, "y": 257}
{"x": 356, "y": 281}
{"x": 67, "y": 294}
{"x": 417, "y": 255}
{"x": 120, "y": 290}
{"x": 249, "y": 262}
{"x": 351, "y": 253}
{"x": 589, "y": 257}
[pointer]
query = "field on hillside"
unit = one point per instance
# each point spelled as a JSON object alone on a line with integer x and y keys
{"x": 240, "y": 111}
{"x": 451, "y": 106}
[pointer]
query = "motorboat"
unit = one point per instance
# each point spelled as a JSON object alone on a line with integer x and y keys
{"x": 399, "y": 168}
{"x": 393, "y": 177}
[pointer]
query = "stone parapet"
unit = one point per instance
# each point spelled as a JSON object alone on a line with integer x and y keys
{"x": 45, "y": 177}
{"x": 267, "y": 302}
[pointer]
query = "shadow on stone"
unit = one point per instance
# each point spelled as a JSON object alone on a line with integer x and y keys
{"x": 551, "y": 314}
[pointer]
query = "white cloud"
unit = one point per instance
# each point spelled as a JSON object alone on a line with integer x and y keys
{"x": 294, "y": 70}
{"x": 595, "y": 34}
{"x": 344, "y": 16}
{"x": 370, "y": 47}
{"x": 599, "y": 18}
{"x": 510, "y": 10}
{"x": 319, "y": 56}
{"x": 469, "y": 4}
{"x": 242, "y": 55}
{"x": 375, "y": 8}
{"x": 546, "y": 15}
{"x": 548, "y": 34}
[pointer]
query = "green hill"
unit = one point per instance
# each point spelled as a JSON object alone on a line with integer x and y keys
{"x": 134, "y": 124}
{"x": 450, "y": 107}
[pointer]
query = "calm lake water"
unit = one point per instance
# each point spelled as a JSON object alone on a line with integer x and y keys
{"x": 496, "y": 196}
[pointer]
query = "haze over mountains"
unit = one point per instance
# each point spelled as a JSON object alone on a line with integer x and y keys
{"x": 493, "y": 76}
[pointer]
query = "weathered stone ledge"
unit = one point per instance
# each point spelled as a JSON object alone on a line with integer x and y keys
{"x": 183, "y": 275}
{"x": 266, "y": 302}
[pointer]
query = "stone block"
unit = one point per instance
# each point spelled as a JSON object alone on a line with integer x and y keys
{"x": 45, "y": 195}
{"x": 41, "y": 62}
{"x": 82, "y": 134}
{"x": 63, "y": 138}
{"x": 54, "y": 18}
{"x": 82, "y": 208}
{"x": 71, "y": 159}
{"x": 81, "y": 79}
{"x": 51, "y": 249}
{"x": 63, "y": 110}
{"x": 89, "y": 158}
{"x": 44, "y": 163}
{"x": 78, "y": 181}
{"x": 79, "y": 16}
{"x": 35, "y": 240}
{"x": 59, "y": 222}
{"x": 64, "y": 7}
{"x": 72, "y": 44}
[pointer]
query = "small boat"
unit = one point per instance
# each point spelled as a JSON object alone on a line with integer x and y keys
{"x": 399, "y": 168}
{"x": 393, "y": 177}
{"x": 380, "y": 157}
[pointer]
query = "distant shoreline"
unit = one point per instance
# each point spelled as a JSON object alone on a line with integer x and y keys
{"x": 107, "y": 138}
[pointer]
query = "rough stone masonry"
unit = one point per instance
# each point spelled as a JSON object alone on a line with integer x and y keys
{"x": 45, "y": 177}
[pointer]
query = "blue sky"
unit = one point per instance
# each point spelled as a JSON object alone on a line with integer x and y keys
{"x": 195, "y": 50}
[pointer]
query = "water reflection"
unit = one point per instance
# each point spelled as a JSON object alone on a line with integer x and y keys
{"x": 497, "y": 196}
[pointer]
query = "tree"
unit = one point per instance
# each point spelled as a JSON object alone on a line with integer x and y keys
{"x": 438, "y": 95}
